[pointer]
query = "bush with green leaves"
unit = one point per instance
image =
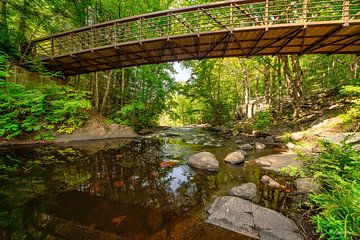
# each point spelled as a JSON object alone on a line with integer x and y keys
{"x": 263, "y": 120}
{"x": 40, "y": 109}
{"x": 352, "y": 116}
{"x": 338, "y": 212}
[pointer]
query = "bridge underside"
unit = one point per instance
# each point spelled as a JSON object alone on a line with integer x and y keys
{"x": 287, "y": 39}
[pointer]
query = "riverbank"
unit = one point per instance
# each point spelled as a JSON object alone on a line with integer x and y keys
{"x": 95, "y": 128}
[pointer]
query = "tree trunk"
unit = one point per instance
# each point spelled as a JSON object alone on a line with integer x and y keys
{"x": 3, "y": 24}
{"x": 96, "y": 91}
{"x": 107, "y": 91}
{"x": 122, "y": 87}
{"x": 267, "y": 83}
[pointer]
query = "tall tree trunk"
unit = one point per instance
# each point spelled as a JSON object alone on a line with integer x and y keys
{"x": 96, "y": 91}
{"x": 267, "y": 83}
{"x": 246, "y": 91}
{"x": 107, "y": 91}
{"x": 293, "y": 81}
{"x": 122, "y": 86}
{"x": 4, "y": 24}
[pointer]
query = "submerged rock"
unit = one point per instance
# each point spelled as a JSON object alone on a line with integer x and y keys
{"x": 259, "y": 134}
{"x": 247, "y": 191}
{"x": 251, "y": 220}
{"x": 245, "y": 147}
{"x": 235, "y": 158}
{"x": 275, "y": 162}
{"x": 205, "y": 161}
{"x": 270, "y": 182}
{"x": 259, "y": 146}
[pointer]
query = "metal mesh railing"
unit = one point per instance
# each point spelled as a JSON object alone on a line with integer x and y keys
{"x": 228, "y": 16}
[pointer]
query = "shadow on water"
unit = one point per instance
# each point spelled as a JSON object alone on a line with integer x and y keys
{"x": 123, "y": 189}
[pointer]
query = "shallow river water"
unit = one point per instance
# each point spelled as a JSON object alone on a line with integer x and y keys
{"x": 128, "y": 189}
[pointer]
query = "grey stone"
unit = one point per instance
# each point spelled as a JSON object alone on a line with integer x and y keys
{"x": 205, "y": 161}
{"x": 297, "y": 136}
{"x": 259, "y": 146}
{"x": 238, "y": 141}
{"x": 306, "y": 185}
{"x": 235, "y": 158}
{"x": 351, "y": 137}
{"x": 275, "y": 162}
{"x": 290, "y": 145}
{"x": 245, "y": 147}
{"x": 269, "y": 139}
{"x": 249, "y": 219}
{"x": 247, "y": 191}
{"x": 270, "y": 182}
{"x": 243, "y": 152}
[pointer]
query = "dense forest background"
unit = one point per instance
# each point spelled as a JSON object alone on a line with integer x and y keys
{"x": 219, "y": 92}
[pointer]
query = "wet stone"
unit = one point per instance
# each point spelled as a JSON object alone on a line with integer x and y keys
{"x": 235, "y": 158}
{"x": 205, "y": 161}
{"x": 251, "y": 220}
{"x": 246, "y": 146}
{"x": 276, "y": 162}
{"x": 268, "y": 181}
{"x": 259, "y": 146}
{"x": 247, "y": 191}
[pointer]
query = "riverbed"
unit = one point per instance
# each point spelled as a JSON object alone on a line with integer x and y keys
{"x": 126, "y": 188}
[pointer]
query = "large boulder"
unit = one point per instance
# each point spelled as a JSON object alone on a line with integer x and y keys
{"x": 247, "y": 191}
{"x": 251, "y": 220}
{"x": 350, "y": 137}
{"x": 275, "y": 162}
{"x": 235, "y": 158}
{"x": 205, "y": 161}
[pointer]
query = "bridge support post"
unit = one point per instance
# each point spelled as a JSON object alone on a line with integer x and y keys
{"x": 267, "y": 15}
{"x": 346, "y": 12}
{"x": 305, "y": 13}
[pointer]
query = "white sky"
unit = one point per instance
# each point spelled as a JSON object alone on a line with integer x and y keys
{"x": 183, "y": 74}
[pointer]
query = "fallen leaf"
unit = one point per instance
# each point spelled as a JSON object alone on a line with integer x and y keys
{"x": 118, "y": 220}
{"x": 167, "y": 164}
{"x": 118, "y": 184}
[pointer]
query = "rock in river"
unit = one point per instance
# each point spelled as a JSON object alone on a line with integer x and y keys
{"x": 205, "y": 161}
{"x": 277, "y": 161}
{"x": 259, "y": 146}
{"x": 245, "y": 147}
{"x": 251, "y": 220}
{"x": 270, "y": 182}
{"x": 235, "y": 158}
{"x": 247, "y": 191}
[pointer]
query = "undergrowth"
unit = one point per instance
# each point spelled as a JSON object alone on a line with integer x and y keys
{"x": 40, "y": 110}
{"x": 337, "y": 168}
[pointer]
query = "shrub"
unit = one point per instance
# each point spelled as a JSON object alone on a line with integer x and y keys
{"x": 44, "y": 108}
{"x": 263, "y": 120}
{"x": 338, "y": 168}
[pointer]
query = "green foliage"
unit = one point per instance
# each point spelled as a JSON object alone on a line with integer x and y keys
{"x": 40, "y": 109}
{"x": 263, "y": 120}
{"x": 352, "y": 116}
{"x": 293, "y": 171}
{"x": 338, "y": 168}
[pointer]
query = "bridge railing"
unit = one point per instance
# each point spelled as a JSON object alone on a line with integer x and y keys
{"x": 228, "y": 16}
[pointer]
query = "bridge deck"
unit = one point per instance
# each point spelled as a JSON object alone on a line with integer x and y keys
{"x": 232, "y": 28}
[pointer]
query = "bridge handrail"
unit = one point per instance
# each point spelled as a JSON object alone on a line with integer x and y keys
{"x": 152, "y": 15}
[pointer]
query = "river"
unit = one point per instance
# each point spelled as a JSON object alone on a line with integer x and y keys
{"x": 128, "y": 189}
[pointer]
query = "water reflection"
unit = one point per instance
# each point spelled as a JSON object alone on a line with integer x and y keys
{"x": 119, "y": 189}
